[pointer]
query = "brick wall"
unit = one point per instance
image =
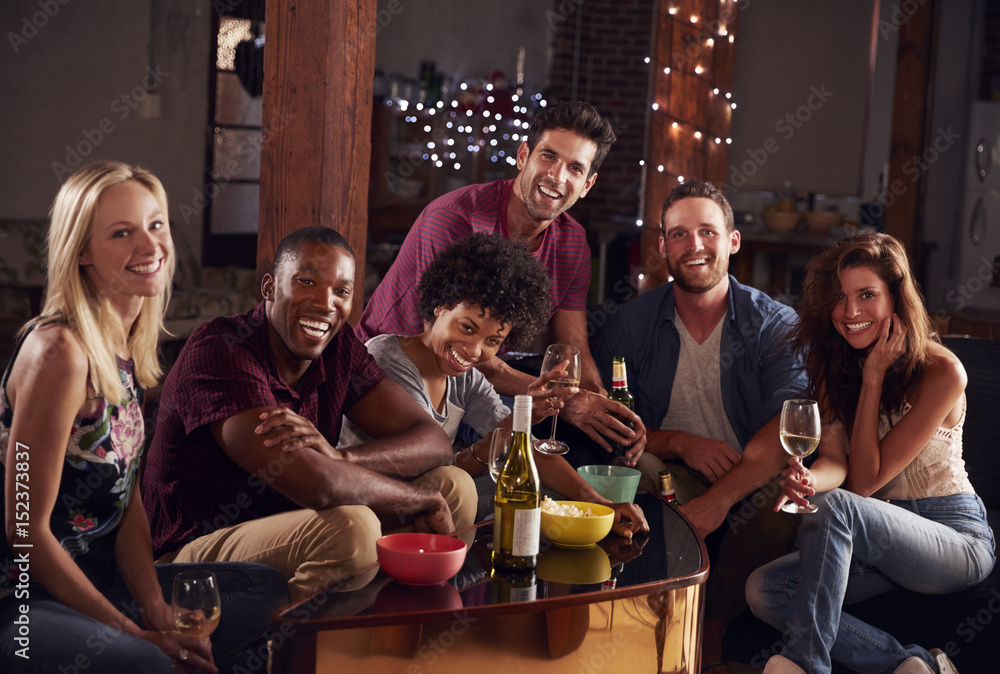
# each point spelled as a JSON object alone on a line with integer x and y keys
{"x": 615, "y": 38}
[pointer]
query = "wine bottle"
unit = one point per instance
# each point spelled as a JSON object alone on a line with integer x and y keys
{"x": 620, "y": 393}
{"x": 517, "y": 510}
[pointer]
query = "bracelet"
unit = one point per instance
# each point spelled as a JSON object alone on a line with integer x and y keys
{"x": 472, "y": 450}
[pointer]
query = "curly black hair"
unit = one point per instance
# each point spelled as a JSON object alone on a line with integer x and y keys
{"x": 499, "y": 275}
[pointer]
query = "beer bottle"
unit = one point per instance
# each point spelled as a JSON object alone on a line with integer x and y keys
{"x": 620, "y": 393}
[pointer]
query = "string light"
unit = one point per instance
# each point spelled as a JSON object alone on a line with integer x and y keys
{"x": 666, "y": 71}
{"x": 646, "y": 60}
{"x": 680, "y": 179}
{"x": 656, "y": 106}
{"x": 698, "y": 70}
{"x": 672, "y": 10}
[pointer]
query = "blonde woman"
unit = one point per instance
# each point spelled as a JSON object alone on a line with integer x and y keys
{"x": 77, "y": 550}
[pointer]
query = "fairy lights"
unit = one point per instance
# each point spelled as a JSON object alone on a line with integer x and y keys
{"x": 457, "y": 140}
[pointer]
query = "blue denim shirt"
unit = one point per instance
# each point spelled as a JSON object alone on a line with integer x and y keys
{"x": 757, "y": 368}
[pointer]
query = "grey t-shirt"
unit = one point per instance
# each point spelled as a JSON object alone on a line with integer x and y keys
{"x": 696, "y": 398}
{"x": 469, "y": 397}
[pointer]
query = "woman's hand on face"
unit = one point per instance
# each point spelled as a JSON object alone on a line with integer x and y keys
{"x": 547, "y": 402}
{"x": 888, "y": 348}
{"x": 797, "y": 482}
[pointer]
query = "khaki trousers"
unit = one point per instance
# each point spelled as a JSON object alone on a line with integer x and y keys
{"x": 320, "y": 548}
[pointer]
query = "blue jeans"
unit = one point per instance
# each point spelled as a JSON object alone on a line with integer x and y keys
{"x": 64, "y": 641}
{"x": 854, "y": 548}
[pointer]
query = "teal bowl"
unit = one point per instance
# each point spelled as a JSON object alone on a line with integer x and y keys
{"x": 618, "y": 484}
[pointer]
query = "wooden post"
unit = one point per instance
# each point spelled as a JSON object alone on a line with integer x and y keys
{"x": 685, "y": 97}
{"x": 911, "y": 133}
{"x": 319, "y": 61}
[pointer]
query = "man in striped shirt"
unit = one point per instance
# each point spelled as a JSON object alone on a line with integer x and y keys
{"x": 557, "y": 165}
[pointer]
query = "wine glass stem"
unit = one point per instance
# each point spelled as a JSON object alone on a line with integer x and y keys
{"x": 552, "y": 435}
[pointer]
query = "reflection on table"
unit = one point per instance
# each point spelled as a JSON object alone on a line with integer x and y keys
{"x": 637, "y": 603}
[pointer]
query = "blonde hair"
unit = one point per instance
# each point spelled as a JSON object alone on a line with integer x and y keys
{"x": 71, "y": 296}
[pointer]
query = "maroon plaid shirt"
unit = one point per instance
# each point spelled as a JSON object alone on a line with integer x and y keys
{"x": 191, "y": 487}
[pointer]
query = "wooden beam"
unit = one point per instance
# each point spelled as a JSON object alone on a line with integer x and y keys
{"x": 319, "y": 62}
{"x": 911, "y": 122}
{"x": 685, "y": 97}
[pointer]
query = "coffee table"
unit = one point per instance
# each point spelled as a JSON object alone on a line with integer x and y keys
{"x": 619, "y": 606}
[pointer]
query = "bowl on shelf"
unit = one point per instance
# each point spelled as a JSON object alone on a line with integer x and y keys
{"x": 577, "y": 531}
{"x": 781, "y": 222}
{"x": 420, "y": 559}
{"x": 618, "y": 484}
{"x": 820, "y": 222}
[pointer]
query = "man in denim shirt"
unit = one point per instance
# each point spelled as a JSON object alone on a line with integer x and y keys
{"x": 709, "y": 370}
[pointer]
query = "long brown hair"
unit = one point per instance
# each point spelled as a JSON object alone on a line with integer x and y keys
{"x": 834, "y": 367}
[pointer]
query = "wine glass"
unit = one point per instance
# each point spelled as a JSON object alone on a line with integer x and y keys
{"x": 196, "y": 603}
{"x": 499, "y": 447}
{"x": 561, "y": 357}
{"x": 800, "y": 430}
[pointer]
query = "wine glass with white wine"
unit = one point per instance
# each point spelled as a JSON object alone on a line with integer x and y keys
{"x": 800, "y": 432}
{"x": 196, "y": 604}
{"x": 563, "y": 357}
{"x": 499, "y": 447}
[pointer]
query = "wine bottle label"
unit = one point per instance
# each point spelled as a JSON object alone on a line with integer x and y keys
{"x": 527, "y": 528}
{"x": 523, "y": 593}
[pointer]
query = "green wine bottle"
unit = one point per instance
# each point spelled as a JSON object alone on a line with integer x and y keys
{"x": 518, "y": 503}
{"x": 620, "y": 393}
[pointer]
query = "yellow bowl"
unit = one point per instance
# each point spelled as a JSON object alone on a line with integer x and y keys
{"x": 583, "y": 566}
{"x": 780, "y": 222}
{"x": 578, "y": 532}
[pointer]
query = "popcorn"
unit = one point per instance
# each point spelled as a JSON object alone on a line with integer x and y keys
{"x": 553, "y": 508}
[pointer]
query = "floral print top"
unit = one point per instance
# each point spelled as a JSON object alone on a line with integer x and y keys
{"x": 98, "y": 477}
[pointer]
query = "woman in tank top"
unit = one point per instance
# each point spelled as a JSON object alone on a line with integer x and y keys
{"x": 893, "y": 398}
{"x": 79, "y": 590}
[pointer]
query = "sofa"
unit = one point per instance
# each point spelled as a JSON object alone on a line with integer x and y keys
{"x": 966, "y": 625}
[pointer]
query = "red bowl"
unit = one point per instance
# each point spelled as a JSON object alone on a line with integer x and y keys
{"x": 420, "y": 559}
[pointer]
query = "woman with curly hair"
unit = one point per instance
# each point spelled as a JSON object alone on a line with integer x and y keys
{"x": 480, "y": 293}
{"x": 79, "y": 589}
{"x": 894, "y": 398}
